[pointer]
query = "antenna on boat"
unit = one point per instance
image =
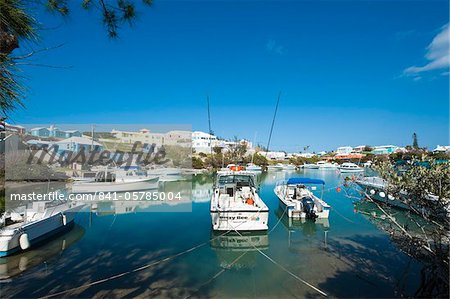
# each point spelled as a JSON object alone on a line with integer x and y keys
{"x": 273, "y": 122}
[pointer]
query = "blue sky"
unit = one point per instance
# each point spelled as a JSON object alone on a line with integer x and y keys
{"x": 350, "y": 72}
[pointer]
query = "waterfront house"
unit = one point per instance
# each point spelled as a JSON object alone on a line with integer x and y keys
{"x": 13, "y": 128}
{"x": 344, "y": 150}
{"x": 384, "y": 149}
{"x": 274, "y": 155}
{"x": 75, "y": 144}
{"x": 203, "y": 142}
{"x": 55, "y": 132}
{"x": 442, "y": 149}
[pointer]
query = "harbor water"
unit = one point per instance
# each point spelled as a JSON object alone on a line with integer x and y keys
{"x": 174, "y": 253}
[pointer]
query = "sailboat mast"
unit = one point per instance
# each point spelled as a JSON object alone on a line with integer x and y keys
{"x": 273, "y": 122}
{"x": 209, "y": 125}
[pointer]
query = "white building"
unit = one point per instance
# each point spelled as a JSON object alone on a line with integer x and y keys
{"x": 344, "y": 150}
{"x": 143, "y": 135}
{"x": 384, "y": 149}
{"x": 359, "y": 148}
{"x": 204, "y": 142}
{"x": 176, "y": 137}
{"x": 274, "y": 155}
{"x": 442, "y": 149}
{"x": 304, "y": 155}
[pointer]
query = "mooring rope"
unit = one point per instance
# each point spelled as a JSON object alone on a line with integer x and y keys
{"x": 217, "y": 275}
{"x": 284, "y": 268}
{"x": 136, "y": 269}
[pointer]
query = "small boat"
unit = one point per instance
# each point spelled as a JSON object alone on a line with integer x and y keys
{"x": 120, "y": 181}
{"x": 235, "y": 203}
{"x": 253, "y": 167}
{"x": 310, "y": 166}
{"x": 326, "y": 165}
{"x": 288, "y": 167}
{"x": 17, "y": 264}
{"x": 350, "y": 167}
{"x": 169, "y": 174}
{"x": 25, "y": 227}
{"x": 368, "y": 164}
{"x": 275, "y": 167}
{"x": 299, "y": 201}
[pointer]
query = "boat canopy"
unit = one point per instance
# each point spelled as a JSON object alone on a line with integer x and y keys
{"x": 293, "y": 181}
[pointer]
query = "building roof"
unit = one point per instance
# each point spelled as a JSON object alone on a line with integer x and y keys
{"x": 79, "y": 140}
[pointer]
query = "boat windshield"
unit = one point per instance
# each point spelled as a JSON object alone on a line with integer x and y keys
{"x": 239, "y": 180}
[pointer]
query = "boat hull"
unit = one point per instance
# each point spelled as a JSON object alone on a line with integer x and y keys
{"x": 240, "y": 220}
{"x": 37, "y": 231}
{"x": 292, "y": 210}
{"x": 126, "y": 186}
{"x": 351, "y": 170}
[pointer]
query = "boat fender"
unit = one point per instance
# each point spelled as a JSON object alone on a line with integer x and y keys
{"x": 372, "y": 192}
{"x": 64, "y": 219}
{"x": 382, "y": 194}
{"x": 24, "y": 242}
{"x": 250, "y": 201}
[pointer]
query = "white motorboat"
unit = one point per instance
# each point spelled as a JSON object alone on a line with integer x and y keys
{"x": 310, "y": 166}
{"x": 275, "y": 167}
{"x": 17, "y": 264}
{"x": 169, "y": 174}
{"x": 299, "y": 201}
{"x": 288, "y": 167}
{"x": 26, "y": 227}
{"x": 368, "y": 164}
{"x": 253, "y": 167}
{"x": 117, "y": 181}
{"x": 326, "y": 165}
{"x": 377, "y": 189}
{"x": 350, "y": 167}
{"x": 236, "y": 205}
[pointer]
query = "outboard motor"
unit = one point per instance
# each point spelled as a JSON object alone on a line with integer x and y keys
{"x": 308, "y": 208}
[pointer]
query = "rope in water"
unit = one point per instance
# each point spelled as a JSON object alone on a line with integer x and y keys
{"x": 187, "y": 251}
{"x": 134, "y": 270}
{"x": 284, "y": 268}
{"x": 217, "y": 274}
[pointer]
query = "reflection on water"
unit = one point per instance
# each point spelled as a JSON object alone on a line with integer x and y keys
{"x": 238, "y": 251}
{"x": 13, "y": 265}
{"x": 345, "y": 255}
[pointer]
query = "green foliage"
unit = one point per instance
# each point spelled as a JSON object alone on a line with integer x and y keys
{"x": 15, "y": 21}
{"x": 15, "y": 24}
{"x": 415, "y": 142}
{"x": 302, "y": 160}
{"x": 179, "y": 155}
{"x": 260, "y": 160}
{"x": 425, "y": 189}
{"x": 197, "y": 163}
{"x": 18, "y": 24}
{"x": 440, "y": 156}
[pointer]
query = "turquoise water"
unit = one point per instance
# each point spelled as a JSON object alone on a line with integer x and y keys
{"x": 348, "y": 256}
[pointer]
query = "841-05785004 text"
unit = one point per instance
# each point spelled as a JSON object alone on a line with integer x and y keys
{"x": 139, "y": 196}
